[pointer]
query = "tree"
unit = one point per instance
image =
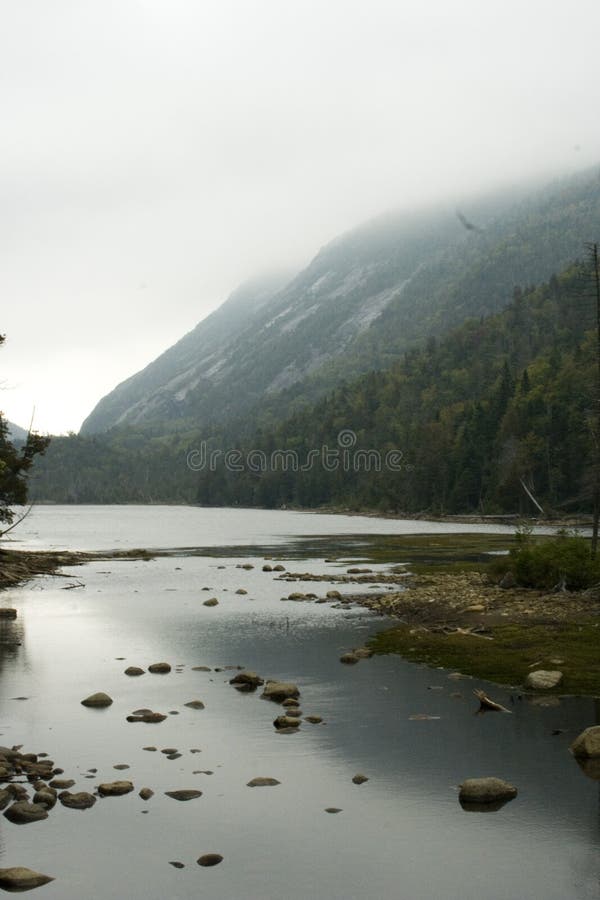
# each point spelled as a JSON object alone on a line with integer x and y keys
{"x": 15, "y": 464}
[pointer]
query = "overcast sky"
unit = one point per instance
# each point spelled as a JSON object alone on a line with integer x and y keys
{"x": 155, "y": 153}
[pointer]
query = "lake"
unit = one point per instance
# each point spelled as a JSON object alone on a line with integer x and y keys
{"x": 401, "y": 834}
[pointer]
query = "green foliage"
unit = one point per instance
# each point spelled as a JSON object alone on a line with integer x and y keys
{"x": 15, "y": 464}
{"x": 564, "y": 560}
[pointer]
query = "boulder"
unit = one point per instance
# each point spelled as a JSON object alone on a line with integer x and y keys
{"x": 183, "y": 794}
{"x": 278, "y": 691}
{"x": 212, "y": 602}
{"x": 267, "y": 568}
{"x": 359, "y": 779}
{"x": 349, "y": 659}
{"x": 22, "y": 812}
{"x": 160, "y": 668}
{"x": 587, "y": 745}
{"x": 134, "y": 670}
{"x": 5, "y": 798}
{"x": 314, "y": 720}
{"x": 151, "y": 718}
{"x": 263, "y": 782}
{"x": 99, "y": 700}
{"x": 210, "y": 859}
{"x": 6, "y": 612}
{"x": 62, "y": 784}
{"x": 146, "y": 793}
{"x": 19, "y": 878}
{"x": 46, "y": 797}
{"x": 279, "y": 568}
{"x": 241, "y": 591}
{"x": 486, "y": 790}
{"x": 543, "y": 680}
{"x": 80, "y": 800}
{"x": 194, "y": 704}
{"x": 333, "y": 595}
{"x": 333, "y": 810}
{"x": 115, "y": 788}
{"x": 508, "y": 581}
{"x": 286, "y": 722}
{"x": 247, "y": 680}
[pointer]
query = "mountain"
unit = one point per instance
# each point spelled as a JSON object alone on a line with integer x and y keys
{"x": 16, "y": 434}
{"x": 364, "y": 299}
{"x": 497, "y": 411}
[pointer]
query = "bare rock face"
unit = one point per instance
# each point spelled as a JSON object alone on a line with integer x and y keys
{"x": 20, "y": 878}
{"x": 97, "y": 700}
{"x": 115, "y": 788}
{"x": 278, "y": 691}
{"x": 543, "y": 680}
{"x": 587, "y": 745}
{"x": 486, "y": 790}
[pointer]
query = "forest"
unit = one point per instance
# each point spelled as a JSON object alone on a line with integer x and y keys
{"x": 494, "y": 413}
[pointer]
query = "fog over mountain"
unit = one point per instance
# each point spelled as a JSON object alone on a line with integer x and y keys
{"x": 366, "y": 298}
{"x": 157, "y": 155}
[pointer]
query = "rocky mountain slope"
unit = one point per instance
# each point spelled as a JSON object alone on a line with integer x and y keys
{"x": 360, "y": 304}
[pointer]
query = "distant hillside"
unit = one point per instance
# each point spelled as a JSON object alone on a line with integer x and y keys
{"x": 365, "y": 298}
{"x": 497, "y": 406}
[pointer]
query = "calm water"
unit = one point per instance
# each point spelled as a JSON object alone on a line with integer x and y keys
{"x": 400, "y": 835}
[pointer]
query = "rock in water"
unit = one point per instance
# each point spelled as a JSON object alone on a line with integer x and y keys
{"x": 263, "y": 782}
{"x": 146, "y": 793}
{"x": 543, "y": 680}
{"x": 97, "y": 700}
{"x": 278, "y": 691}
{"x": 80, "y": 800}
{"x": 212, "y": 602}
{"x": 160, "y": 668}
{"x": 134, "y": 670}
{"x": 114, "y": 788}
{"x": 22, "y": 812}
{"x": 210, "y": 859}
{"x": 587, "y": 745}
{"x": 359, "y": 779}
{"x": 184, "y": 794}
{"x": 195, "y": 704}
{"x": 19, "y": 878}
{"x": 349, "y": 659}
{"x": 486, "y": 790}
{"x": 248, "y": 678}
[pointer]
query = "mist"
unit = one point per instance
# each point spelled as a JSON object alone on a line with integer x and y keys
{"x": 154, "y": 155}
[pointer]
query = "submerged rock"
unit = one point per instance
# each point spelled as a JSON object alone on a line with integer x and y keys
{"x": 587, "y": 744}
{"x": 19, "y": 878}
{"x": 99, "y": 699}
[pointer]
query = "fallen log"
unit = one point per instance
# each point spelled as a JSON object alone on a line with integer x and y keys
{"x": 486, "y": 703}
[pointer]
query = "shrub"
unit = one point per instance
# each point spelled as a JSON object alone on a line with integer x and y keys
{"x": 565, "y": 559}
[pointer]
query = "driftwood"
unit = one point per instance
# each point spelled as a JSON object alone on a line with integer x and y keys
{"x": 486, "y": 703}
